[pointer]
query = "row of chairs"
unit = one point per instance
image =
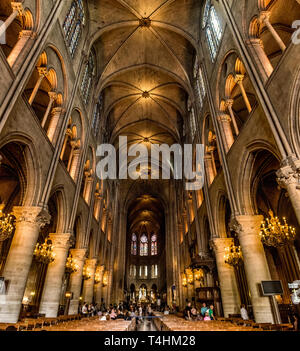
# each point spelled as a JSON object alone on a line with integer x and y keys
{"x": 30, "y": 324}
{"x": 263, "y": 326}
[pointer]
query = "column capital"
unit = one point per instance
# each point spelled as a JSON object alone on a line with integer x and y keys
{"x": 52, "y": 95}
{"x": 35, "y": 215}
{"x": 42, "y": 71}
{"x": 18, "y": 6}
{"x": 229, "y": 103}
{"x": 224, "y": 118}
{"x": 61, "y": 240}
{"x": 238, "y": 78}
{"x": 246, "y": 224}
{"x": 100, "y": 269}
{"x": 78, "y": 254}
{"x": 219, "y": 244}
{"x": 289, "y": 173}
{"x": 91, "y": 262}
{"x": 264, "y": 16}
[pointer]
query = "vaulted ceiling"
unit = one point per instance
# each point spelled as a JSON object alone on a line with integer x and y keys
{"x": 145, "y": 54}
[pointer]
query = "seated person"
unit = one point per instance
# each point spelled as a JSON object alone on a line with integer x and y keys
{"x": 207, "y": 317}
{"x": 113, "y": 314}
{"x": 120, "y": 315}
{"x": 187, "y": 311}
{"x": 194, "y": 313}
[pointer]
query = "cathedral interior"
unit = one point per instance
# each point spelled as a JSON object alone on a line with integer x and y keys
{"x": 76, "y": 74}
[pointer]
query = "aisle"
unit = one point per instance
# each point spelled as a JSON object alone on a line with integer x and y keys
{"x": 145, "y": 325}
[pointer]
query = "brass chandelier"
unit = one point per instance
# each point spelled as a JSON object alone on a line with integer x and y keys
{"x": 86, "y": 274}
{"x": 274, "y": 233}
{"x": 71, "y": 265}
{"x": 44, "y": 252}
{"x": 7, "y": 224}
{"x": 233, "y": 255}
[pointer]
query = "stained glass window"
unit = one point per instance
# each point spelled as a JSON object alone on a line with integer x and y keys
{"x": 97, "y": 116}
{"x": 133, "y": 245}
{"x": 87, "y": 79}
{"x": 144, "y": 245}
{"x": 74, "y": 21}
{"x": 200, "y": 86}
{"x": 192, "y": 122}
{"x": 213, "y": 30}
{"x": 154, "y": 271}
{"x": 154, "y": 245}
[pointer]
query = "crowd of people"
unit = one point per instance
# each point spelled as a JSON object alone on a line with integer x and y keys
{"x": 204, "y": 313}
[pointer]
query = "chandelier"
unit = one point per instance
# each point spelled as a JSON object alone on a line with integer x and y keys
{"x": 189, "y": 275}
{"x": 198, "y": 274}
{"x": 86, "y": 274}
{"x": 71, "y": 265}
{"x": 274, "y": 233}
{"x": 184, "y": 281}
{"x": 44, "y": 252}
{"x": 7, "y": 224}
{"x": 233, "y": 255}
{"x": 105, "y": 279}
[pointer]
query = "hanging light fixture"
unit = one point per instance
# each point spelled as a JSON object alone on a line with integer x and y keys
{"x": 233, "y": 255}
{"x": 274, "y": 233}
{"x": 198, "y": 274}
{"x": 7, "y": 224}
{"x": 105, "y": 279}
{"x": 71, "y": 265}
{"x": 86, "y": 274}
{"x": 44, "y": 252}
{"x": 189, "y": 275}
{"x": 184, "y": 281}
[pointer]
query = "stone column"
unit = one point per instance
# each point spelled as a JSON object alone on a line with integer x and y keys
{"x": 228, "y": 285}
{"x": 239, "y": 80}
{"x": 42, "y": 74}
{"x": 17, "y": 11}
{"x": 76, "y": 279}
{"x": 258, "y": 46}
{"x": 288, "y": 177}
{"x": 52, "y": 98}
{"x": 52, "y": 129}
{"x": 29, "y": 220}
{"x": 55, "y": 273}
{"x": 98, "y": 286}
{"x": 229, "y": 104}
{"x": 255, "y": 262}
{"x": 225, "y": 121}
{"x": 88, "y": 285}
{"x": 265, "y": 19}
{"x": 208, "y": 163}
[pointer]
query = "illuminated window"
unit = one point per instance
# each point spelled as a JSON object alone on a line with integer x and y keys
{"x": 212, "y": 27}
{"x": 73, "y": 24}
{"x": 87, "y": 79}
{"x": 154, "y": 245}
{"x": 144, "y": 245}
{"x": 132, "y": 271}
{"x": 154, "y": 271}
{"x": 133, "y": 245}
{"x": 200, "y": 85}
{"x": 97, "y": 116}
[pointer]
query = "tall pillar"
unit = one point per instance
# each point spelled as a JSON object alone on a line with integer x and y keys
{"x": 288, "y": 177}
{"x": 98, "y": 286}
{"x": 229, "y": 105}
{"x": 265, "y": 18}
{"x": 88, "y": 285}
{"x": 225, "y": 121}
{"x": 264, "y": 61}
{"x": 255, "y": 262}
{"x": 55, "y": 272}
{"x": 239, "y": 80}
{"x": 228, "y": 285}
{"x": 29, "y": 221}
{"x": 42, "y": 74}
{"x": 55, "y": 114}
{"x": 76, "y": 279}
{"x": 52, "y": 98}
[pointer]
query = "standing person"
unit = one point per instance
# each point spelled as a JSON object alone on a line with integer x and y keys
{"x": 84, "y": 310}
{"x": 244, "y": 313}
{"x": 203, "y": 309}
{"x": 158, "y": 304}
{"x": 211, "y": 312}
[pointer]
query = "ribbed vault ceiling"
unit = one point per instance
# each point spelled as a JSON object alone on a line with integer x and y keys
{"x": 145, "y": 56}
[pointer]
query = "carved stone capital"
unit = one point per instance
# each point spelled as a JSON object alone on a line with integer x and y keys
{"x": 224, "y": 118}
{"x": 246, "y": 224}
{"x": 34, "y": 215}
{"x": 239, "y": 78}
{"x": 18, "y": 6}
{"x": 78, "y": 254}
{"x": 61, "y": 240}
{"x": 229, "y": 103}
{"x": 264, "y": 16}
{"x": 287, "y": 176}
{"x": 219, "y": 244}
{"x": 91, "y": 263}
